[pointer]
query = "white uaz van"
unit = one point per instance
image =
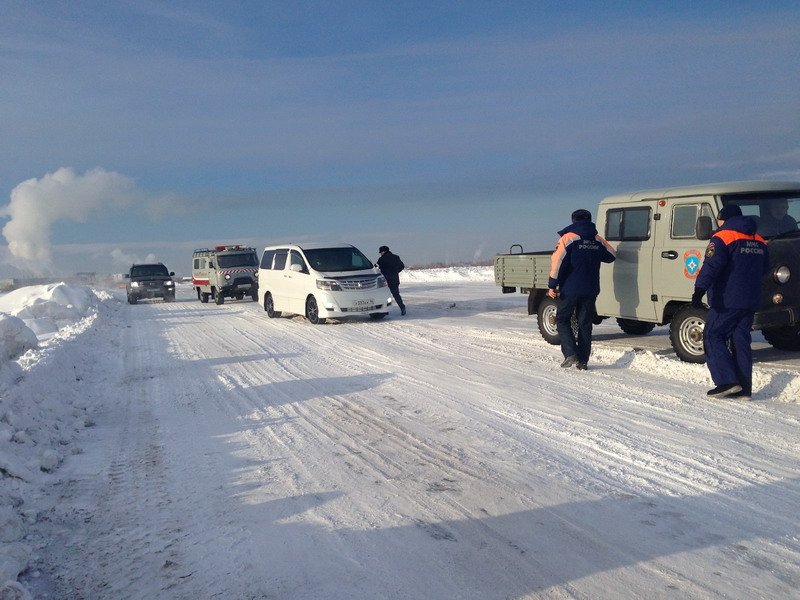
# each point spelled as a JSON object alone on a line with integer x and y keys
{"x": 321, "y": 281}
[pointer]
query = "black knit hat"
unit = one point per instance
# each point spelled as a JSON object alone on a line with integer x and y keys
{"x": 728, "y": 211}
{"x": 581, "y": 215}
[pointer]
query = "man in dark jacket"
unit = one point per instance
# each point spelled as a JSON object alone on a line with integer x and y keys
{"x": 575, "y": 273}
{"x": 735, "y": 263}
{"x": 390, "y": 266}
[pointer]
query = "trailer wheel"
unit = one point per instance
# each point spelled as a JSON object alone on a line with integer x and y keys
{"x": 632, "y": 327}
{"x": 686, "y": 333}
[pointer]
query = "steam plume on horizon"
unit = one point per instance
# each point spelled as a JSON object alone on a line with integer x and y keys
{"x": 37, "y": 204}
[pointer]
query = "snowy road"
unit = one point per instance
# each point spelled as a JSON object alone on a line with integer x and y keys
{"x": 442, "y": 455}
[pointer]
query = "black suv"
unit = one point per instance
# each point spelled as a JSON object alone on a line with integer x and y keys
{"x": 150, "y": 281}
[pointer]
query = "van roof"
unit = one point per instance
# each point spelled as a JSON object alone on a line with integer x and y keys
{"x": 309, "y": 246}
{"x": 706, "y": 189}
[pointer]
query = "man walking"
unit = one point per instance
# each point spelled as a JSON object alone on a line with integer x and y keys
{"x": 390, "y": 266}
{"x": 735, "y": 263}
{"x": 575, "y": 281}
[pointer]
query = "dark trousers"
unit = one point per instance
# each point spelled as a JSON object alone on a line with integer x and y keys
{"x": 732, "y": 364}
{"x": 395, "y": 289}
{"x": 583, "y": 309}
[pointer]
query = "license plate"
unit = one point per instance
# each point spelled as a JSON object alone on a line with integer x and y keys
{"x": 363, "y": 303}
{"x": 243, "y": 286}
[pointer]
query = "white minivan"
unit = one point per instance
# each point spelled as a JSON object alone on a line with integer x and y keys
{"x": 321, "y": 281}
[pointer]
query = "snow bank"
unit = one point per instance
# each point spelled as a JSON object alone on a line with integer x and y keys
{"x": 46, "y": 309}
{"x": 40, "y": 415}
{"x": 448, "y": 274}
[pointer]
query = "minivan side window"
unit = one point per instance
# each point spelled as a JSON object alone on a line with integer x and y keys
{"x": 628, "y": 224}
{"x": 296, "y": 259}
{"x": 266, "y": 259}
{"x": 280, "y": 259}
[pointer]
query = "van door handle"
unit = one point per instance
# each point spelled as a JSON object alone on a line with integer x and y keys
{"x": 670, "y": 254}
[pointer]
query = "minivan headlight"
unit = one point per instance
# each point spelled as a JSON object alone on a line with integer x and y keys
{"x": 169, "y": 282}
{"x": 134, "y": 284}
{"x": 329, "y": 285}
{"x": 782, "y": 274}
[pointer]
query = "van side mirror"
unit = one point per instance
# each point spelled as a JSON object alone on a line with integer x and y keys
{"x": 127, "y": 275}
{"x": 172, "y": 273}
{"x": 703, "y": 228}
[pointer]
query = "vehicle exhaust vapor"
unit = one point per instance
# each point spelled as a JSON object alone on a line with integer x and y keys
{"x": 37, "y": 204}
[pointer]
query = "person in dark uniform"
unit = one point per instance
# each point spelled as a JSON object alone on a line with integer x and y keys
{"x": 575, "y": 281}
{"x": 735, "y": 263}
{"x": 390, "y": 266}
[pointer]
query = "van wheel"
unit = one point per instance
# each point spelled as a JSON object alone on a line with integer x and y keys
{"x": 169, "y": 297}
{"x": 269, "y": 306}
{"x": 312, "y": 311}
{"x": 254, "y": 295}
{"x": 131, "y": 299}
{"x": 218, "y": 298}
{"x": 204, "y": 297}
{"x": 633, "y": 327}
{"x": 686, "y": 333}
{"x": 239, "y": 296}
{"x": 199, "y": 296}
{"x": 783, "y": 338}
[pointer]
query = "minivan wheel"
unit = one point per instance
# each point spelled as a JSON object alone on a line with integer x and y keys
{"x": 376, "y": 316}
{"x": 269, "y": 306}
{"x": 312, "y": 311}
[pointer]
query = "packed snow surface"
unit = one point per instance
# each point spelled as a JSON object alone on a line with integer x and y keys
{"x": 191, "y": 451}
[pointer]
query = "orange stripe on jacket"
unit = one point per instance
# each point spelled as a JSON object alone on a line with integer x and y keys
{"x": 560, "y": 252}
{"x": 728, "y": 236}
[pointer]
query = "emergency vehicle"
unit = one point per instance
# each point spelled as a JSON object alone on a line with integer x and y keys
{"x": 225, "y": 272}
{"x": 660, "y": 237}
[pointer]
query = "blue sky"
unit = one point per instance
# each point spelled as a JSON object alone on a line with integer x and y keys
{"x": 446, "y": 130}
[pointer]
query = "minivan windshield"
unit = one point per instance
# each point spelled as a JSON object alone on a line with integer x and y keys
{"x": 776, "y": 214}
{"x": 337, "y": 259}
{"x": 228, "y": 261}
